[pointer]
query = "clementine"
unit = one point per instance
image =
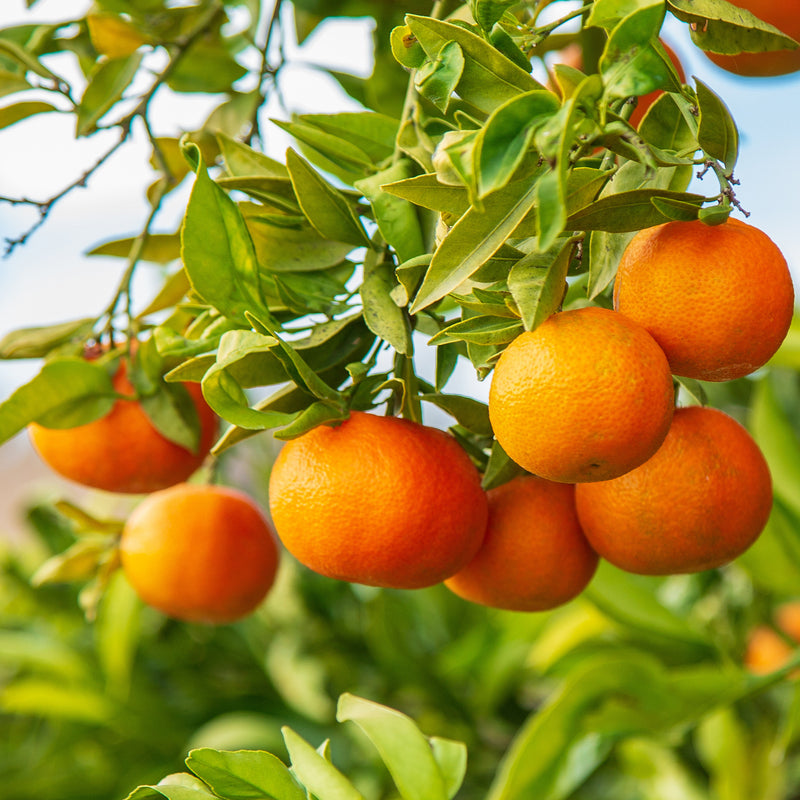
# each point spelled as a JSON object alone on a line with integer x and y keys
{"x": 787, "y": 618}
{"x": 765, "y": 651}
{"x": 718, "y": 299}
{"x": 199, "y": 553}
{"x": 587, "y": 396}
{"x": 123, "y": 451}
{"x": 378, "y": 500}
{"x": 534, "y": 556}
{"x": 698, "y": 503}
{"x": 785, "y": 16}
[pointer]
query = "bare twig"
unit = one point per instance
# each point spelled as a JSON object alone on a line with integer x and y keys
{"x": 265, "y": 70}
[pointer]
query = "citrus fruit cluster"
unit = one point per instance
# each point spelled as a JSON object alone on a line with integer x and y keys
{"x": 586, "y": 404}
{"x": 199, "y": 553}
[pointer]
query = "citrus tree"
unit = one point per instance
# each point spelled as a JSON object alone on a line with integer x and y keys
{"x": 603, "y": 559}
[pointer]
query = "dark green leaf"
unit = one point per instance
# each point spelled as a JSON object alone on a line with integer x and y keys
{"x": 470, "y": 413}
{"x": 500, "y": 469}
{"x": 485, "y": 330}
{"x": 487, "y": 12}
{"x": 382, "y": 315}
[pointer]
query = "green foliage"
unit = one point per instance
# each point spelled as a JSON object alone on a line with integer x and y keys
{"x": 464, "y": 203}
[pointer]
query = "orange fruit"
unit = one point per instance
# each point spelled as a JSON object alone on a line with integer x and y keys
{"x": 586, "y": 396}
{"x": 783, "y": 15}
{"x": 378, "y": 500}
{"x": 765, "y": 651}
{"x": 787, "y": 618}
{"x": 698, "y": 503}
{"x": 534, "y": 555}
{"x": 718, "y": 299}
{"x": 199, "y": 553}
{"x": 123, "y": 451}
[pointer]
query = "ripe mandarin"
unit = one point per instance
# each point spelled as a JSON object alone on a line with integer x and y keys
{"x": 698, "y": 503}
{"x": 765, "y": 651}
{"x": 378, "y": 500}
{"x": 718, "y": 299}
{"x": 586, "y": 396}
{"x": 781, "y": 14}
{"x": 199, "y": 553}
{"x": 123, "y": 451}
{"x": 534, "y": 556}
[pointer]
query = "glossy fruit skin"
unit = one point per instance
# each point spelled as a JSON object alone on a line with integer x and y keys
{"x": 199, "y": 553}
{"x": 379, "y": 501}
{"x": 534, "y": 556}
{"x": 698, "y": 503}
{"x": 587, "y": 396}
{"x": 783, "y": 15}
{"x": 718, "y": 299}
{"x": 122, "y": 451}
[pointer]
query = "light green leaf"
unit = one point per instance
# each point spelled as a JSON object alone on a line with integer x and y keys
{"x": 317, "y": 774}
{"x": 404, "y": 749}
{"x": 381, "y": 314}
{"x": 79, "y": 390}
{"x": 242, "y": 160}
{"x": 716, "y": 130}
{"x": 19, "y": 111}
{"x": 216, "y": 247}
{"x": 438, "y": 77}
{"x": 107, "y": 83}
{"x": 159, "y": 248}
{"x": 244, "y": 774}
{"x": 324, "y": 206}
{"x": 37, "y": 342}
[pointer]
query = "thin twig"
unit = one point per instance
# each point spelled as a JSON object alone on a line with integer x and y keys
{"x": 265, "y": 70}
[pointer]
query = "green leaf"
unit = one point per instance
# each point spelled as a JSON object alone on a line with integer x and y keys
{"x": 774, "y": 434}
{"x": 374, "y": 134}
{"x": 503, "y": 142}
{"x": 628, "y": 211}
{"x": 107, "y": 83}
{"x": 403, "y": 747}
{"x": 216, "y": 247}
{"x": 68, "y": 390}
{"x": 550, "y": 208}
{"x": 51, "y": 699}
{"x": 405, "y": 47}
{"x": 716, "y": 130}
{"x": 631, "y": 601}
{"x": 317, "y": 774}
{"x": 451, "y": 756}
{"x": 381, "y": 314}
{"x": 14, "y": 52}
{"x": 37, "y": 342}
{"x": 174, "y": 415}
{"x": 244, "y": 774}
{"x": 470, "y": 413}
{"x": 630, "y": 63}
{"x": 178, "y": 786}
{"x": 473, "y": 240}
{"x": 118, "y": 631}
{"x": 282, "y": 249}
{"x": 438, "y": 77}
{"x": 722, "y": 27}
{"x": 489, "y": 78}
{"x": 427, "y": 191}
{"x": 324, "y": 206}
{"x": 500, "y": 469}
{"x": 205, "y": 67}
{"x": 487, "y": 12}
{"x": 483, "y": 329}
{"x": 397, "y": 219}
{"x": 538, "y": 283}
{"x": 79, "y": 562}
{"x": 242, "y": 160}
{"x": 159, "y": 248}
{"x": 19, "y": 111}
